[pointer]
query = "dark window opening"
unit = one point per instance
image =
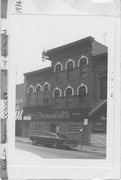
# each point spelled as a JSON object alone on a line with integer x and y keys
{"x": 69, "y": 70}
{"x": 57, "y": 73}
{"x": 69, "y": 92}
{"x": 46, "y": 87}
{"x": 82, "y": 64}
{"x": 56, "y": 94}
{"x": 82, "y": 94}
{"x": 38, "y": 95}
{"x": 68, "y": 95}
{"x": 103, "y": 87}
{"x": 30, "y": 96}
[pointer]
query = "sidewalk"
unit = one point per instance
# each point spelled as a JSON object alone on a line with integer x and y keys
{"x": 89, "y": 149}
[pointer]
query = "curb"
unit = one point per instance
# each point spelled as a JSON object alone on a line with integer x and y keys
{"x": 94, "y": 152}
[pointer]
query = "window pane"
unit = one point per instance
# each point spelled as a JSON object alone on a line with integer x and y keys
{"x": 70, "y": 66}
{"x": 68, "y": 92}
{"x": 57, "y": 93}
{"x": 58, "y": 68}
{"x": 46, "y": 87}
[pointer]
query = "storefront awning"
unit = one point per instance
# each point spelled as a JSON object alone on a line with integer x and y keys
{"x": 19, "y": 115}
{"x": 97, "y": 108}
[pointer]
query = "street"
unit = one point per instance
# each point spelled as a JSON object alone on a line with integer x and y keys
{"x": 46, "y": 152}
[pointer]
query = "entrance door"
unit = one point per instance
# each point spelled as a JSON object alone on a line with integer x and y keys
{"x": 54, "y": 128}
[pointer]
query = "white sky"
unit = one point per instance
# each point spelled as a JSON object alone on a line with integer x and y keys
{"x": 30, "y": 34}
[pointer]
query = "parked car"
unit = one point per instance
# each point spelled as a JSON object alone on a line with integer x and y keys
{"x": 55, "y": 140}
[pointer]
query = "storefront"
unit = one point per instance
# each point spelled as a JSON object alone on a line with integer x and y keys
{"x": 69, "y": 122}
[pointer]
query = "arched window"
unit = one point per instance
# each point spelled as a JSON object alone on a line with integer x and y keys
{"x": 38, "y": 93}
{"x": 82, "y": 63}
{"x": 58, "y": 68}
{"x": 30, "y": 95}
{"x": 46, "y": 87}
{"x": 69, "y": 67}
{"x": 57, "y": 93}
{"x": 69, "y": 92}
{"x": 82, "y": 92}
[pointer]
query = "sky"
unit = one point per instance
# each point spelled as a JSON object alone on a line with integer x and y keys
{"x": 31, "y": 33}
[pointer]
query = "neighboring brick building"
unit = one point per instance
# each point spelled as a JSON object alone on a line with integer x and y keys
{"x": 77, "y": 90}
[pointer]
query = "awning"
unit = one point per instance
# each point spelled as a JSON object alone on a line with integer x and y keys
{"x": 19, "y": 115}
{"x": 97, "y": 108}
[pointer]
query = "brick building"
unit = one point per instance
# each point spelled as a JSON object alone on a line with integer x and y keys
{"x": 74, "y": 88}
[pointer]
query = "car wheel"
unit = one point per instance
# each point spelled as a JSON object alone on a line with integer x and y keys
{"x": 55, "y": 145}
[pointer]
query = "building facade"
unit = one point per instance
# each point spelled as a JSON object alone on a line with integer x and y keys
{"x": 61, "y": 98}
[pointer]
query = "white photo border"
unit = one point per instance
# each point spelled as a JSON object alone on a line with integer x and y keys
{"x": 76, "y": 169}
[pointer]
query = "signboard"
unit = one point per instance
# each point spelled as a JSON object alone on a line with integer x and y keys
{"x": 85, "y": 122}
{"x": 62, "y": 114}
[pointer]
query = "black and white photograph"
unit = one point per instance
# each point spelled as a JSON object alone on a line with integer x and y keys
{"x": 63, "y": 70}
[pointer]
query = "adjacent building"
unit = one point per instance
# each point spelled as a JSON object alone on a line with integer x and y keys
{"x": 61, "y": 98}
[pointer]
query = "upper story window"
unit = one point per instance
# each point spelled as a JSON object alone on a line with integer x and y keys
{"x": 82, "y": 63}
{"x": 57, "y": 93}
{"x": 30, "y": 94}
{"x": 82, "y": 92}
{"x": 46, "y": 87}
{"x": 58, "y": 68}
{"x": 103, "y": 86}
{"x": 69, "y": 67}
{"x": 38, "y": 93}
{"x": 69, "y": 92}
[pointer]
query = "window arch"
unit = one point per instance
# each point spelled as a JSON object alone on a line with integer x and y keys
{"x": 46, "y": 87}
{"x": 84, "y": 88}
{"x": 38, "y": 93}
{"x": 82, "y": 92}
{"x": 58, "y": 67}
{"x": 83, "y": 61}
{"x": 31, "y": 88}
{"x": 30, "y": 94}
{"x": 69, "y": 91}
{"x": 70, "y": 64}
{"x": 69, "y": 67}
{"x": 38, "y": 88}
{"x": 57, "y": 92}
